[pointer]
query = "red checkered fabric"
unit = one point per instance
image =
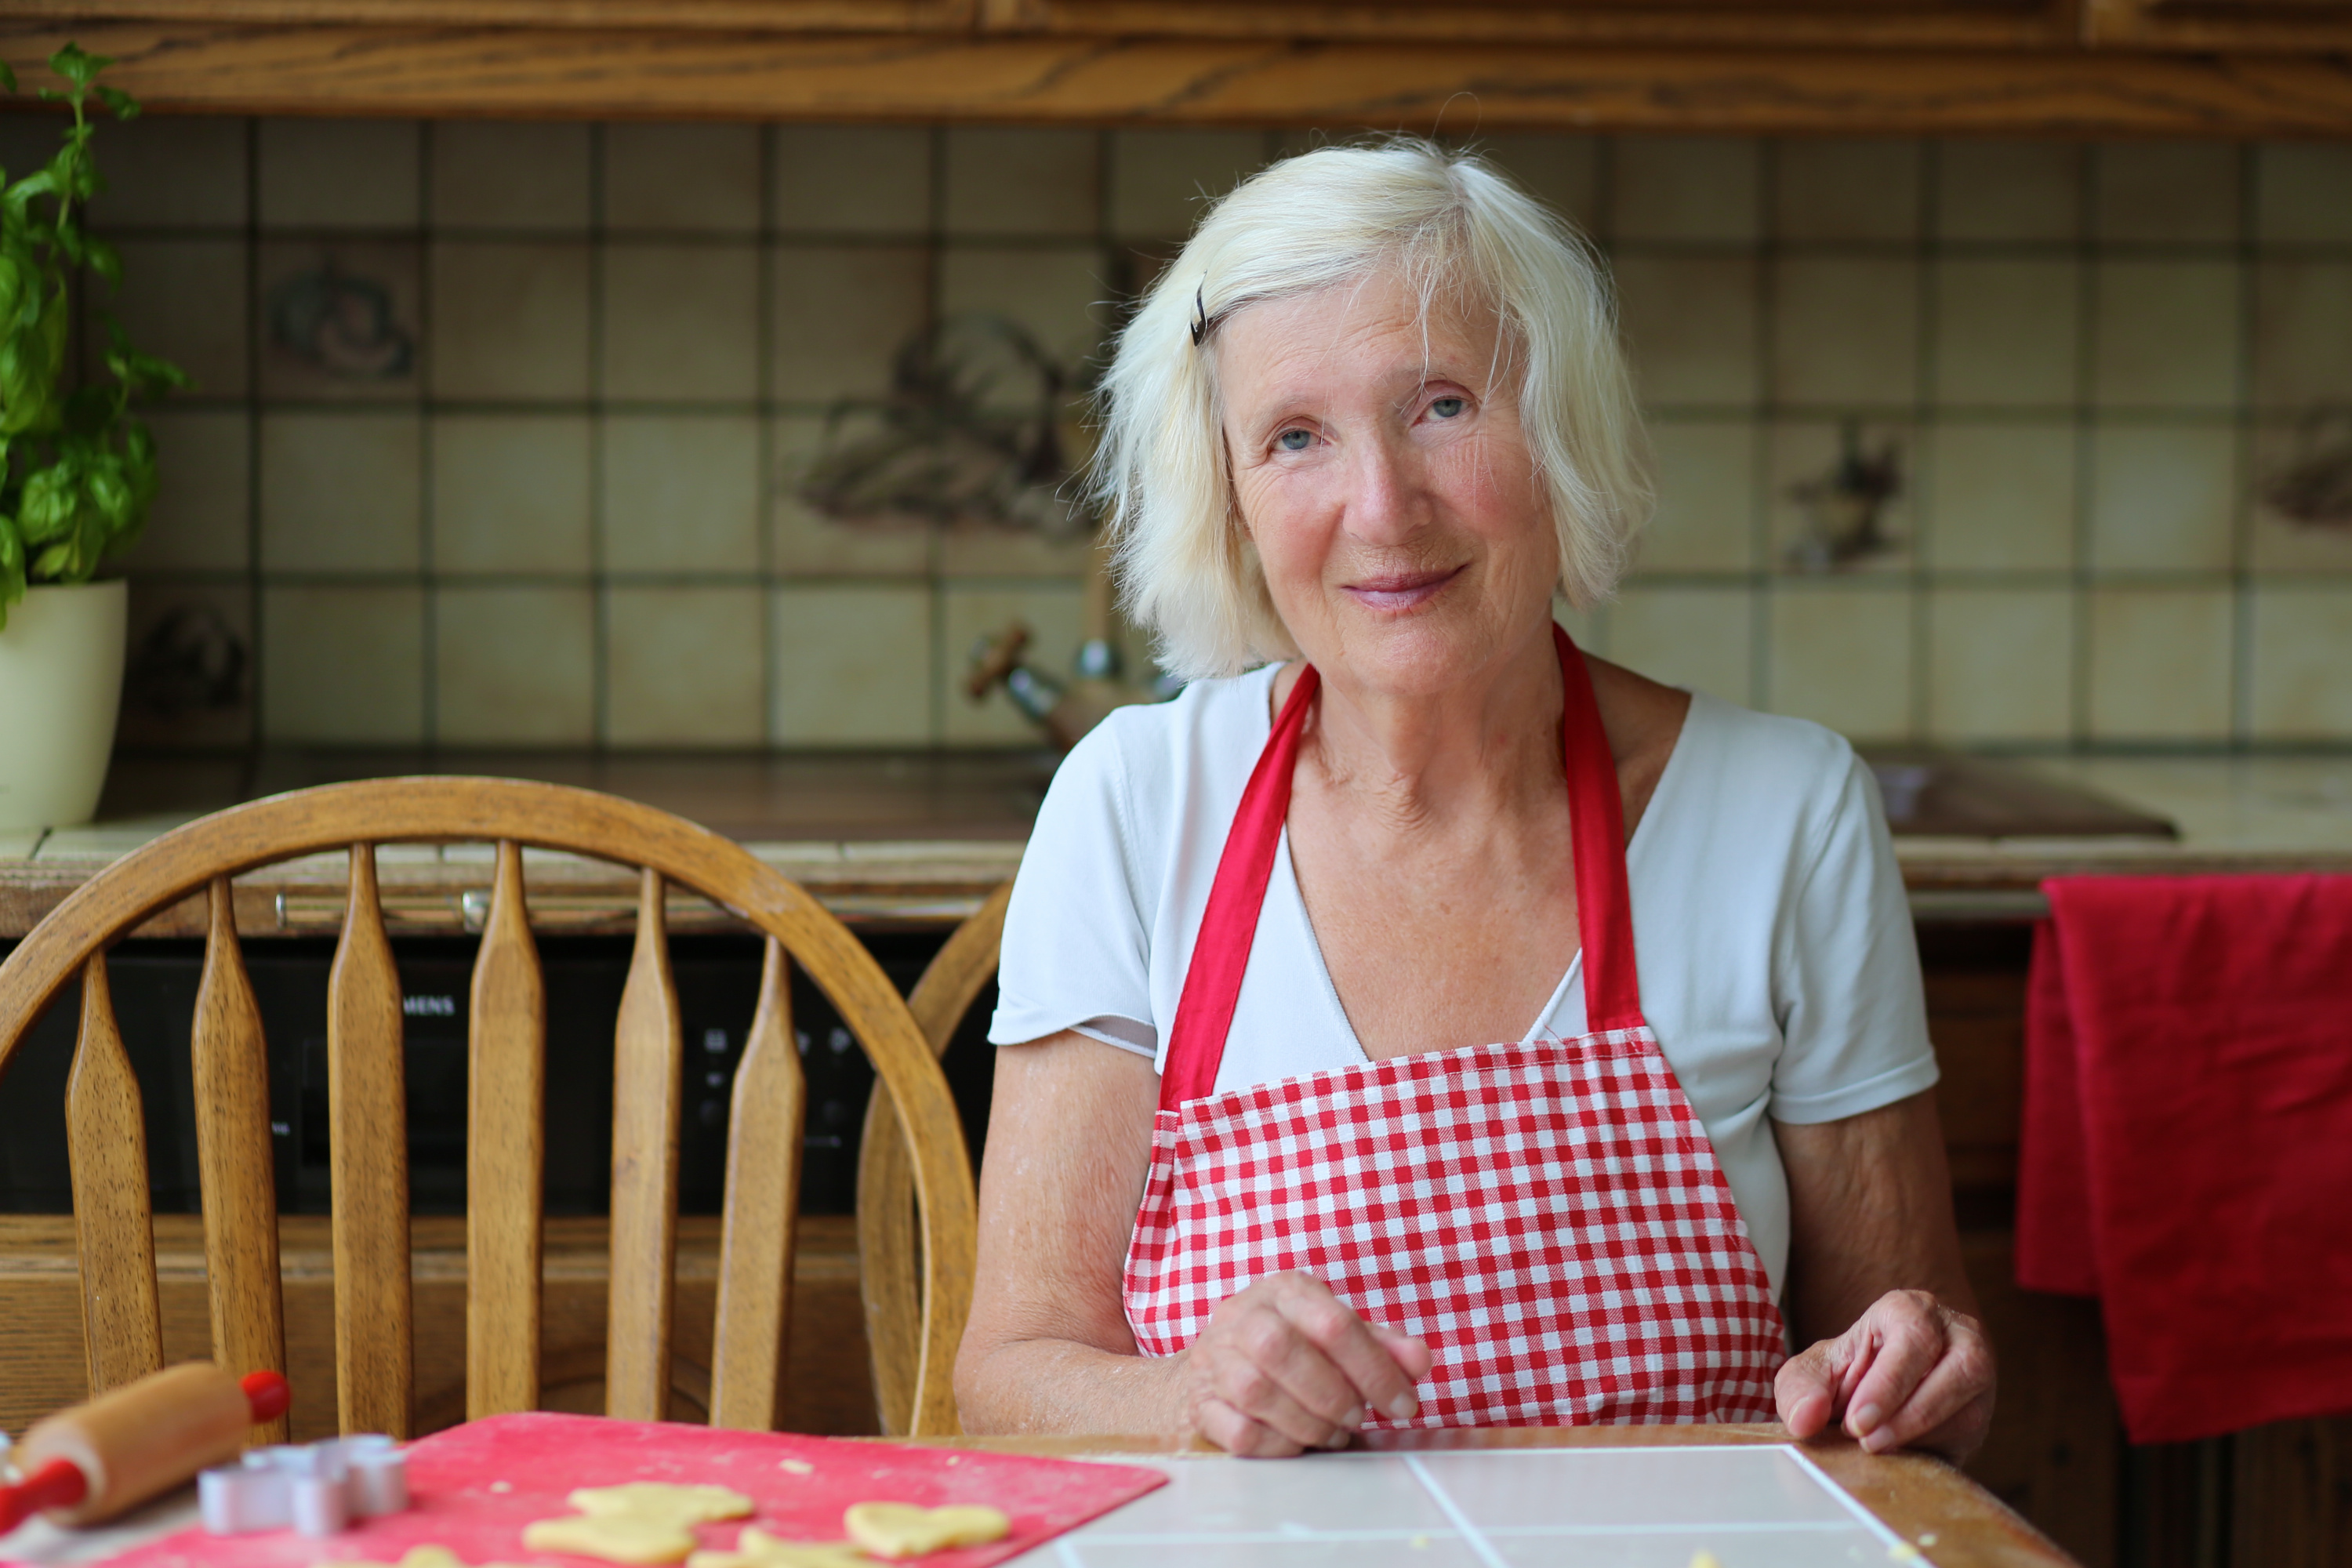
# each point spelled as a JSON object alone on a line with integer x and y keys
{"x": 1549, "y": 1217}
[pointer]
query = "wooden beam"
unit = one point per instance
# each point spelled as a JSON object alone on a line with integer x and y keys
{"x": 2236, "y": 26}
{"x": 669, "y": 15}
{"x": 1786, "y": 23}
{"x": 493, "y": 72}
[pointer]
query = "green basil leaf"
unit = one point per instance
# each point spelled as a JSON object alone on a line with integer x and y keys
{"x": 76, "y": 65}
{"x": 51, "y": 499}
{"x": 109, "y": 493}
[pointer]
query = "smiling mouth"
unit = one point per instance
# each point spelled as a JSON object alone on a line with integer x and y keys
{"x": 1402, "y": 590}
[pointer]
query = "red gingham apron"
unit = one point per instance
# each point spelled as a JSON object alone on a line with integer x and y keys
{"x": 1549, "y": 1216}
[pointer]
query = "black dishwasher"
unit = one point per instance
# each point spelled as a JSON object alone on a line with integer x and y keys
{"x": 718, "y": 979}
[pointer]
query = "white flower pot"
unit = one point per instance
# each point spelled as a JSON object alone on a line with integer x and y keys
{"x": 60, "y": 691}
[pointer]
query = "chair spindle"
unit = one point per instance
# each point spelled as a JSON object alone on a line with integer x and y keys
{"x": 505, "y": 1154}
{"x": 647, "y": 1050}
{"x": 234, "y": 1160}
{"x": 106, "y": 1145}
{"x": 764, "y": 1180}
{"x": 367, "y": 1122}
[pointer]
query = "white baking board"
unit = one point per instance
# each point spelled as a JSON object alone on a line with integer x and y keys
{"x": 1753, "y": 1506}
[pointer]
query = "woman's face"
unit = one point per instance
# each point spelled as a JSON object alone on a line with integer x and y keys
{"x": 1386, "y": 482}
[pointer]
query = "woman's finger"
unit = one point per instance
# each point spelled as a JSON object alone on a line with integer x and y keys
{"x": 1239, "y": 1436}
{"x": 1906, "y": 1328}
{"x": 1411, "y": 1354}
{"x": 1947, "y": 1397}
{"x": 1274, "y": 1341}
{"x": 1263, "y": 1384}
{"x": 1806, "y": 1391}
{"x": 1341, "y": 1340}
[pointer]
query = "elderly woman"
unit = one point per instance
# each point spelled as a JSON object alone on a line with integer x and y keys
{"x": 1418, "y": 1022}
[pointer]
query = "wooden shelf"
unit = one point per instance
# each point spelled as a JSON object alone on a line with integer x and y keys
{"x": 1958, "y": 66}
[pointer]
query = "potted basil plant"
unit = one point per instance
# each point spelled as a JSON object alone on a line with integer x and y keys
{"x": 77, "y": 475}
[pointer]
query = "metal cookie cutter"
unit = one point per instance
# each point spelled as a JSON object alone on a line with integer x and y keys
{"x": 317, "y": 1488}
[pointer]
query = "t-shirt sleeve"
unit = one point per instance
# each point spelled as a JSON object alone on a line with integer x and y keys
{"x": 1075, "y": 953}
{"x": 1853, "y": 1013}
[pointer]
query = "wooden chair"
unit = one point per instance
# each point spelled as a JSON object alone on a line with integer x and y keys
{"x": 368, "y": 1154}
{"x": 888, "y": 1266}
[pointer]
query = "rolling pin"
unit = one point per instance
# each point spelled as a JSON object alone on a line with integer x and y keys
{"x": 99, "y": 1459}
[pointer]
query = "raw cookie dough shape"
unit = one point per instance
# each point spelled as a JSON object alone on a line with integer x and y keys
{"x": 428, "y": 1556}
{"x": 904, "y": 1530}
{"x": 681, "y": 1505}
{"x": 757, "y": 1549}
{"x": 614, "y": 1537}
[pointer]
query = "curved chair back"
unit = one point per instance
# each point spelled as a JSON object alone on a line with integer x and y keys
{"x": 888, "y": 1264}
{"x": 505, "y": 1079}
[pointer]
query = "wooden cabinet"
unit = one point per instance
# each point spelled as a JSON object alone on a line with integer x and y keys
{"x": 2065, "y": 67}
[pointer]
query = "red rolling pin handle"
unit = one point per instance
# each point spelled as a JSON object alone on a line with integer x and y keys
{"x": 142, "y": 1438}
{"x": 57, "y": 1484}
{"x": 266, "y": 1393}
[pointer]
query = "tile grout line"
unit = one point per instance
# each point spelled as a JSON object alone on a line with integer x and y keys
{"x": 934, "y": 555}
{"x": 600, "y": 613}
{"x": 1763, "y": 604}
{"x": 249, "y": 405}
{"x": 769, "y": 482}
{"x": 2243, "y": 603}
{"x": 428, "y": 663}
{"x": 1928, "y": 296}
{"x": 2081, "y": 672}
{"x": 1471, "y": 1533}
{"x": 1852, "y": 1504}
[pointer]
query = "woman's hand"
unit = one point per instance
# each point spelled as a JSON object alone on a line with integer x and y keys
{"x": 1285, "y": 1365}
{"x": 1871, "y": 1245}
{"x": 1911, "y": 1372}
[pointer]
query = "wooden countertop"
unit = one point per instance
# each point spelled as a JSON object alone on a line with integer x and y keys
{"x": 919, "y": 839}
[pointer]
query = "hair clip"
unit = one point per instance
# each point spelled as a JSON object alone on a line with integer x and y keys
{"x": 1200, "y": 316}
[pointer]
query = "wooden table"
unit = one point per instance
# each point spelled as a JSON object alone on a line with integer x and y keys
{"x": 1919, "y": 1499}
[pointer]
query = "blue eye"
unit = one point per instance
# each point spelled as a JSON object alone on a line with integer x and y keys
{"x": 1293, "y": 440}
{"x": 1447, "y": 407}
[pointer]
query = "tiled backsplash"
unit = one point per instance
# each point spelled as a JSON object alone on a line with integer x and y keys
{"x": 499, "y": 426}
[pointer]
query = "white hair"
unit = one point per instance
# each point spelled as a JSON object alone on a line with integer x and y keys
{"x": 1449, "y": 221}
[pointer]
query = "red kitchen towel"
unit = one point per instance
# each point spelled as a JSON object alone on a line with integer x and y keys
{"x": 2188, "y": 1140}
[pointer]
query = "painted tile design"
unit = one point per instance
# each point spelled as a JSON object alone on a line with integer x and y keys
{"x": 501, "y": 429}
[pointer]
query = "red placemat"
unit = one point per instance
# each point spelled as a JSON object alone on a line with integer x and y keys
{"x": 473, "y": 1489}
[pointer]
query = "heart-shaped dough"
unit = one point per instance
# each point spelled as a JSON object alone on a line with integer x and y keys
{"x": 757, "y": 1549}
{"x": 614, "y": 1537}
{"x": 904, "y": 1530}
{"x": 662, "y": 1501}
{"x": 427, "y": 1556}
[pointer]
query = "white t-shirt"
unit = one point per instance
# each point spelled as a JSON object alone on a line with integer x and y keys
{"x": 1770, "y": 931}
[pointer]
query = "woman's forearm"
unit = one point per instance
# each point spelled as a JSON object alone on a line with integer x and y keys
{"x": 1047, "y": 1347}
{"x": 1063, "y": 1386}
{"x": 1870, "y": 1205}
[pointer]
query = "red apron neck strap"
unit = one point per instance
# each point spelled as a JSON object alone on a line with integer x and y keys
{"x": 1596, "y": 813}
{"x": 1212, "y": 982}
